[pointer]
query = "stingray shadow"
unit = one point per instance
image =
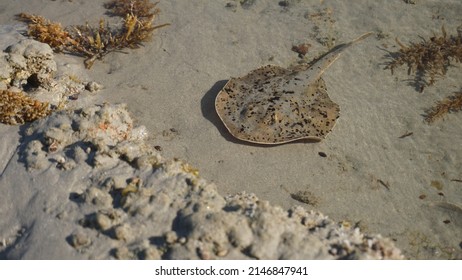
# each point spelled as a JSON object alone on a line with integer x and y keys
{"x": 209, "y": 112}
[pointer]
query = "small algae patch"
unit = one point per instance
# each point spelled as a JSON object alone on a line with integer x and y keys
{"x": 437, "y": 185}
{"x": 306, "y": 197}
{"x": 450, "y": 104}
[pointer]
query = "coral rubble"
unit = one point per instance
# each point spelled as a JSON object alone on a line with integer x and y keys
{"x": 30, "y": 86}
{"x": 121, "y": 199}
{"x": 27, "y": 63}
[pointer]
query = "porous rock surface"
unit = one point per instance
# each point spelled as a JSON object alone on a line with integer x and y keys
{"x": 99, "y": 191}
{"x": 27, "y": 60}
{"x": 28, "y": 70}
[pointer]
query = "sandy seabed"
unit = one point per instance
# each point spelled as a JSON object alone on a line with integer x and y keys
{"x": 406, "y": 189}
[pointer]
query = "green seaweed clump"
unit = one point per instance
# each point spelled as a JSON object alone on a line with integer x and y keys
{"x": 429, "y": 59}
{"x": 95, "y": 42}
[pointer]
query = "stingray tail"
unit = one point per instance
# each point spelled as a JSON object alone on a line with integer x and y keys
{"x": 360, "y": 38}
{"x": 322, "y": 63}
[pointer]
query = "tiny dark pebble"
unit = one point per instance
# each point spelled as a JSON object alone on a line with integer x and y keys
{"x": 301, "y": 49}
{"x": 74, "y": 96}
{"x": 322, "y": 154}
{"x": 158, "y": 148}
{"x": 446, "y": 221}
{"x": 246, "y": 4}
{"x": 284, "y": 3}
{"x": 422, "y": 196}
{"x": 441, "y": 194}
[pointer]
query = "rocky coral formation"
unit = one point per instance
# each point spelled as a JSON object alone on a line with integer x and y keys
{"x": 133, "y": 204}
{"x": 28, "y": 63}
{"x": 30, "y": 79}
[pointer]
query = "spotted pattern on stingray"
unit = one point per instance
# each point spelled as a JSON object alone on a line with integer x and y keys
{"x": 279, "y": 116}
{"x": 275, "y": 105}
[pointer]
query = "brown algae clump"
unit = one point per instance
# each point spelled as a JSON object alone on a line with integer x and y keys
{"x": 17, "y": 108}
{"x": 94, "y": 42}
{"x": 429, "y": 59}
{"x": 450, "y": 104}
{"x": 140, "y": 8}
{"x": 46, "y": 31}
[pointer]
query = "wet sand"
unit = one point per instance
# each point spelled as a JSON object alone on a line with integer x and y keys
{"x": 370, "y": 176}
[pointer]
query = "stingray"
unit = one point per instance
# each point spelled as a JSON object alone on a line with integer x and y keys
{"x": 275, "y": 105}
